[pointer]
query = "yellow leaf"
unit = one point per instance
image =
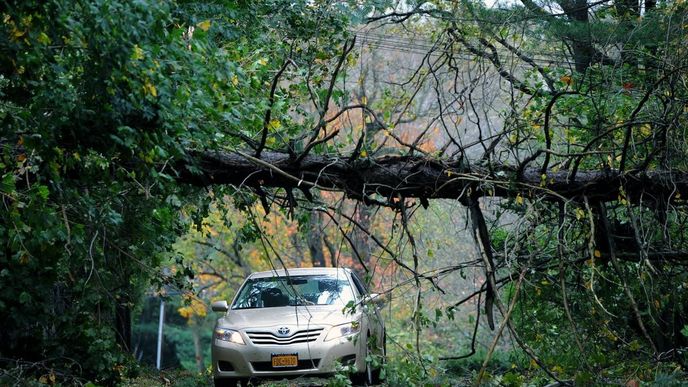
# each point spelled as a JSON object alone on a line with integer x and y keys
{"x": 364, "y": 153}
{"x": 138, "y": 53}
{"x": 580, "y": 214}
{"x": 597, "y": 254}
{"x": 43, "y": 38}
{"x": 274, "y": 125}
{"x": 26, "y": 21}
{"x": 16, "y": 33}
{"x": 364, "y": 100}
{"x": 235, "y": 80}
{"x": 646, "y": 130}
{"x": 204, "y": 25}
{"x": 262, "y": 61}
{"x": 519, "y": 199}
{"x": 185, "y": 311}
{"x": 149, "y": 88}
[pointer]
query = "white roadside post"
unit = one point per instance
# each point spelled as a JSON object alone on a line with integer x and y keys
{"x": 158, "y": 358}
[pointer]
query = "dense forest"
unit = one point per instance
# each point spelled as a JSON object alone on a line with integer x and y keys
{"x": 513, "y": 175}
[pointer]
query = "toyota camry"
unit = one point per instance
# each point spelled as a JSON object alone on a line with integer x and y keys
{"x": 293, "y": 322}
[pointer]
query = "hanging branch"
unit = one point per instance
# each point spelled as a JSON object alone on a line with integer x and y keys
{"x": 271, "y": 103}
{"x": 606, "y": 229}
{"x": 322, "y": 122}
{"x": 495, "y": 340}
{"x": 482, "y": 240}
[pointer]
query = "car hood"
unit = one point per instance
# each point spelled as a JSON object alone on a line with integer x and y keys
{"x": 301, "y": 316}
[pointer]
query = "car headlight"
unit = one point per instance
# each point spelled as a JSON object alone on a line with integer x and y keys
{"x": 343, "y": 330}
{"x": 229, "y": 335}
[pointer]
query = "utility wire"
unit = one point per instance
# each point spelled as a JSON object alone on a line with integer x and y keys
{"x": 399, "y": 44}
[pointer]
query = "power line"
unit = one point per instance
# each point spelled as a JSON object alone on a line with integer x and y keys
{"x": 399, "y": 44}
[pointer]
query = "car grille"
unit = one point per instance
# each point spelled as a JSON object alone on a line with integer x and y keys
{"x": 303, "y": 365}
{"x": 269, "y": 338}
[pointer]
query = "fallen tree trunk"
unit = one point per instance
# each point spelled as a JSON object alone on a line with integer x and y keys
{"x": 417, "y": 177}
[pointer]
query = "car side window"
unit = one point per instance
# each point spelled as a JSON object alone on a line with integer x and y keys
{"x": 362, "y": 291}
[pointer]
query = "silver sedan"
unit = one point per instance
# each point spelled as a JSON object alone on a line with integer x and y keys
{"x": 298, "y": 322}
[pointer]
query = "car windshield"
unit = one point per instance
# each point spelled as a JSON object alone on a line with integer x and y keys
{"x": 296, "y": 290}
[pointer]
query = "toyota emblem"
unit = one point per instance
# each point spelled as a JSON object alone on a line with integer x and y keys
{"x": 283, "y": 331}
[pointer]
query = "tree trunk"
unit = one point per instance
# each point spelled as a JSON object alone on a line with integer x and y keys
{"x": 123, "y": 322}
{"x": 579, "y": 36}
{"x": 361, "y": 239}
{"x": 385, "y": 179}
{"x": 198, "y": 347}
{"x": 314, "y": 238}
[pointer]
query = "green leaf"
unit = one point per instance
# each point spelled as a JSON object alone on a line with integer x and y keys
{"x": 8, "y": 183}
{"x": 24, "y": 298}
{"x": 43, "y": 191}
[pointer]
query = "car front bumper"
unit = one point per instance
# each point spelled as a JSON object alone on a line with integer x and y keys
{"x": 232, "y": 360}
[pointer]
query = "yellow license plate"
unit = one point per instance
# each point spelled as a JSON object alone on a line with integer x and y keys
{"x": 279, "y": 361}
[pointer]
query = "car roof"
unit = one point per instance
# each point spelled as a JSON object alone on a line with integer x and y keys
{"x": 301, "y": 271}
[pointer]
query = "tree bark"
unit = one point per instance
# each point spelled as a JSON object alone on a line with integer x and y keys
{"x": 314, "y": 238}
{"x": 392, "y": 177}
{"x": 123, "y": 322}
{"x": 581, "y": 43}
{"x": 198, "y": 348}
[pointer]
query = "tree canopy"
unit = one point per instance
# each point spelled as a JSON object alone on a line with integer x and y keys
{"x": 123, "y": 122}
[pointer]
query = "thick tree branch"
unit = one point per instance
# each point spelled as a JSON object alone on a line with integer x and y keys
{"x": 421, "y": 177}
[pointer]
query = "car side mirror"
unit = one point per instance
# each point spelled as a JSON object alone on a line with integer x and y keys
{"x": 219, "y": 306}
